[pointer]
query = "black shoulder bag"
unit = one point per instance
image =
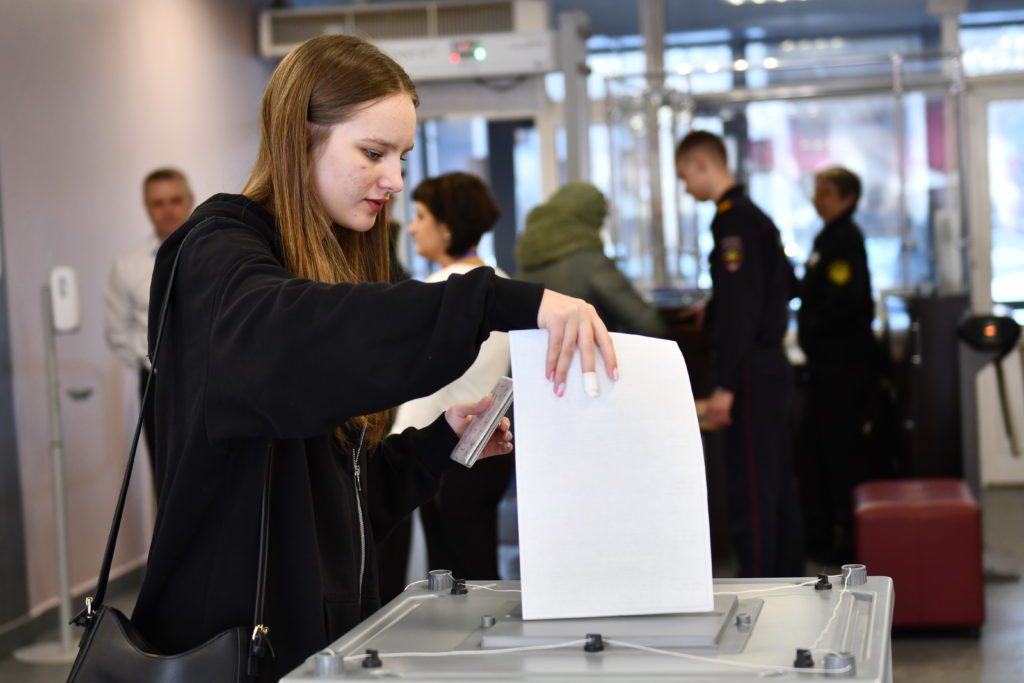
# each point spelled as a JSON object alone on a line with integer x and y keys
{"x": 113, "y": 651}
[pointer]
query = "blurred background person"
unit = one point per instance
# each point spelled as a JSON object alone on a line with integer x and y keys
{"x": 561, "y": 248}
{"x": 843, "y": 364}
{"x": 452, "y": 212}
{"x": 169, "y": 201}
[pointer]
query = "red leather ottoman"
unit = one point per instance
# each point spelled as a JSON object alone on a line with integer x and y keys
{"x": 926, "y": 535}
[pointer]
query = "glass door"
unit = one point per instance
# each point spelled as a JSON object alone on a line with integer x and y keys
{"x": 995, "y": 147}
{"x": 468, "y": 145}
{"x": 1005, "y": 151}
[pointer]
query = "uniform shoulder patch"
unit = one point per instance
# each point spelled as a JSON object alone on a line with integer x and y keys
{"x": 732, "y": 253}
{"x": 839, "y": 272}
{"x": 724, "y": 206}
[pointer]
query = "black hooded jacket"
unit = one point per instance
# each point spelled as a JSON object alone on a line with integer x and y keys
{"x": 752, "y": 283}
{"x": 836, "y": 307}
{"x": 253, "y": 355}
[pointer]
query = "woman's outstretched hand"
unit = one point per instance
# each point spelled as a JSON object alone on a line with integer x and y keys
{"x": 573, "y": 323}
{"x": 461, "y": 414}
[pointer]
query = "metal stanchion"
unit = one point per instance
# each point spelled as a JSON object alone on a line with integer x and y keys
{"x": 64, "y": 650}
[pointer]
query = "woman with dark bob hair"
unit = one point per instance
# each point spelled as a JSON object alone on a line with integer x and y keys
{"x": 284, "y": 341}
{"x": 452, "y": 212}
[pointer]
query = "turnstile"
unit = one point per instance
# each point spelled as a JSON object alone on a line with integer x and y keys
{"x": 788, "y": 629}
{"x": 984, "y": 339}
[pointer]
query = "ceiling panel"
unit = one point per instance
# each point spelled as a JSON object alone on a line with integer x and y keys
{"x": 789, "y": 19}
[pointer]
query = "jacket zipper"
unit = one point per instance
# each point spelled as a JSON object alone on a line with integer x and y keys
{"x": 359, "y": 513}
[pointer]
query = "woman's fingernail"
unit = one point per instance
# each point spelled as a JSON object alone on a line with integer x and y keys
{"x": 615, "y": 374}
{"x": 591, "y": 384}
{"x": 560, "y": 390}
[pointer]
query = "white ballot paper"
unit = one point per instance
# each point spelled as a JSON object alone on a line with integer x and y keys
{"x": 613, "y": 515}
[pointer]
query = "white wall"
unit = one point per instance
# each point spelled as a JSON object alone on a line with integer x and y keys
{"x": 93, "y": 95}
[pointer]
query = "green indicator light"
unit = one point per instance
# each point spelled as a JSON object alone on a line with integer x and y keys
{"x": 480, "y": 53}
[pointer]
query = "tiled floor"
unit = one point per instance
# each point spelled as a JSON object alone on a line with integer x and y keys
{"x": 997, "y": 656}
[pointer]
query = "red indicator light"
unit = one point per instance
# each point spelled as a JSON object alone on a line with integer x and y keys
{"x": 454, "y": 58}
{"x": 990, "y": 330}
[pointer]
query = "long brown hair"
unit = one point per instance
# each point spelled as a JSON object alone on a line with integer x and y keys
{"x": 322, "y": 82}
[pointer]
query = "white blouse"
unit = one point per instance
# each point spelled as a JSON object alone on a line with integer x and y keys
{"x": 491, "y": 363}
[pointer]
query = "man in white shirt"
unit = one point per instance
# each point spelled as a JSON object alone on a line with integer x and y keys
{"x": 169, "y": 201}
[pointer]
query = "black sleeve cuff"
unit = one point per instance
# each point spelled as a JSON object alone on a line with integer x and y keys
{"x": 436, "y": 442}
{"x": 727, "y": 379}
{"x": 515, "y": 305}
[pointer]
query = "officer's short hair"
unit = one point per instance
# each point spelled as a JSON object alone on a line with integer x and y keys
{"x": 702, "y": 139}
{"x": 166, "y": 173}
{"x": 846, "y": 182}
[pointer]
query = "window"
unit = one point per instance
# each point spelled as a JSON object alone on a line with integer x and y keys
{"x": 1006, "y": 192}
{"x": 992, "y": 49}
{"x": 822, "y": 58}
{"x": 699, "y": 68}
{"x": 442, "y": 147}
{"x": 790, "y": 141}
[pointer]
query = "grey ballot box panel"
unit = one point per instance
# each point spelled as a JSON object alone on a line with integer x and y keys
{"x": 755, "y": 628}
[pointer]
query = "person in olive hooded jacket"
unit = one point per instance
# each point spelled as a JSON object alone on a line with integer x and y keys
{"x": 561, "y": 248}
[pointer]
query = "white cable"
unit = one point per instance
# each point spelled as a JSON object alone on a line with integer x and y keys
{"x": 488, "y": 587}
{"x": 835, "y": 612}
{"x": 470, "y": 586}
{"x": 776, "y": 588}
{"x": 726, "y": 662}
{"x": 765, "y": 668}
{"x": 768, "y": 590}
{"x": 467, "y": 653}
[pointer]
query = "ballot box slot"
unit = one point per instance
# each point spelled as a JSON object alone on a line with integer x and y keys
{"x": 855, "y": 634}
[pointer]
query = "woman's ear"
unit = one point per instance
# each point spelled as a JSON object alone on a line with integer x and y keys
{"x": 317, "y": 135}
{"x": 849, "y": 203}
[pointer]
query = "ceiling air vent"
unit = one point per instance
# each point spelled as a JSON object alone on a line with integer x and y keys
{"x": 481, "y": 17}
{"x": 283, "y": 29}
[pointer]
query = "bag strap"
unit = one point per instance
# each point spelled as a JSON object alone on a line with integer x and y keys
{"x": 260, "y": 645}
{"x": 92, "y": 604}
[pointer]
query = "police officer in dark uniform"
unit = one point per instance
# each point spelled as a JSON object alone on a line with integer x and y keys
{"x": 843, "y": 364}
{"x": 746, "y": 321}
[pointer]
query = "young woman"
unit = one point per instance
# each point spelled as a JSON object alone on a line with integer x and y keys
{"x": 282, "y": 337}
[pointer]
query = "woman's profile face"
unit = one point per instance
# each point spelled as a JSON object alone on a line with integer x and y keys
{"x": 359, "y": 165}
{"x": 827, "y": 201}
{"x": 431, "y": 236}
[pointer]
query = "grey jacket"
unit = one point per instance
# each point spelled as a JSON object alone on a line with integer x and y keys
{"x": 593, "y": 277}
